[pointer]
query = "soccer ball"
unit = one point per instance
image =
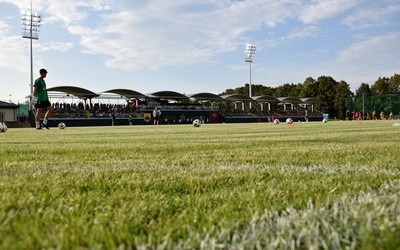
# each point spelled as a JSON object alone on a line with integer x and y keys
{"x": 62, "y": 125}
{"x": 289, "y": 121}
{"x": 324, "y": 120}
{"x": 276, "y": 121}
{"x": 3, "y": 127}
{"x": 196, "y": 123}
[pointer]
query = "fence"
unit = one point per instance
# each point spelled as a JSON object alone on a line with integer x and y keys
{"x": 369, "y": 104}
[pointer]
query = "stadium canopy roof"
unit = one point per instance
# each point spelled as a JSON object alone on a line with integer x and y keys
{"x": 205, "y": 97}
{"x": 76, "y": 91}
{"x": 8, "y": 105}
{"x": 311, "y": 100}
{"x": 289, "y": 100}
{"x": 237, "y": 98}
{"x": 265, "y": 98}
{"x": 168, "y": 95}
{"x": 126, "y": 93}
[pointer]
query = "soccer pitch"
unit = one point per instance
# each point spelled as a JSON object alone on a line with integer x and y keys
{"x": 309, "y": 185}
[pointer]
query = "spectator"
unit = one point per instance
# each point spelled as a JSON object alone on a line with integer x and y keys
{"x": 156, "y": 115}
{"x": 382, "y": 115}
{"x": 112, "y": 119}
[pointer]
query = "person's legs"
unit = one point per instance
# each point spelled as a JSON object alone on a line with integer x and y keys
{"x": 48, "y": 114}
{"x": 37, "y": 117}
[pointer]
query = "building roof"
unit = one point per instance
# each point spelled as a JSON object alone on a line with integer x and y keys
{"x": 289, "y": 100}
{"x": 76, "y": 91}
{"x": 126, "y": 93}
{"x": 168, "y": 95}
{"x": 172, "y": 95}
{"x": 311, "y": 100}
{"x": 8, "y": 105}
{"x": 237, "y": 97}
{"x": 204, "y": 96}
{"x": 265, "y": 98}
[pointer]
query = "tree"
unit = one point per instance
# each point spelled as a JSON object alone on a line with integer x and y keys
{"x": 381, "y": 87}
{"x": 325, "y": 88}
{"x": 296, "y": 90}
{"x": 364, "y": 89}
{"x": 394, "y": 84}
{"x": 309, "y": 88}
{"x": 284, "y": 90}
{"x": 259, "y": 89}
{"x": 343, "y": 92}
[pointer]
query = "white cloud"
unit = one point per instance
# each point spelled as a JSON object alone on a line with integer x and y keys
{"x": 70, "y": 11}
{"x": 303, "y": 32}
{"x": 163, "y": 33}
{"x": 325, "y": 9}
{"x": 11, "y": 49}
{"x": 15, "y": 49}
{"x": 367, "y": 60}
{"x": 158, "y": 34}
{"x": 371, "y": 16}
{"x": 374, "y": 50}
{"x": 54, "y": 46}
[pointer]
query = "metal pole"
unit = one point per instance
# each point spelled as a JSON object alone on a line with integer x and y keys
{"x": 250, "y": 50}
{"x": 31, "y": 35}
{"x": 363, "y": 106}
{"x": 250, "y": 81}
{"x": 31, "y": 22}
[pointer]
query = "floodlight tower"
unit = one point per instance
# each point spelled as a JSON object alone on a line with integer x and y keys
{"x": 250, "y": 51}
{"x": 30, "y": 30}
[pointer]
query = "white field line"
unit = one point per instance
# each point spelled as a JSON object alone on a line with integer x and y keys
{"x": 323, "y": 169}
{"x": 344, "y": 224}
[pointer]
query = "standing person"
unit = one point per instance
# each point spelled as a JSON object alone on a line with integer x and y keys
{"x": 156, "y": 115}
{"x": 41, "y": 100}
{"x": 112, "y": 119}
{"x": 130, "y": 119}
{"x": 348, "y": 115}
{"x": 306, "y": 115}
{"x": 382, "y": 115}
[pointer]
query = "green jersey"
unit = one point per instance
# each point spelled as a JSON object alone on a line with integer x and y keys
{"x": 41, "y": 91}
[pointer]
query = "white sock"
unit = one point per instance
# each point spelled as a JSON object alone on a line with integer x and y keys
{"x": 45, "y": 121}
{"x": 37, "y": 124}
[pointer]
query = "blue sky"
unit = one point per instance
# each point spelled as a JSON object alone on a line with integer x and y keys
{"x": 192, "y": 46}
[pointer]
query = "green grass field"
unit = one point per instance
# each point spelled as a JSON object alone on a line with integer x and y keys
{"x": 222, "y": 186}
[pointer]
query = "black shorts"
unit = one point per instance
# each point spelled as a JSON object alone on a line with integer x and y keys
{"x": 156, "y": 118}
{"x": 42, "y": 104}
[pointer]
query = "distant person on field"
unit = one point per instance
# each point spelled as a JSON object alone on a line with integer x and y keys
{"x": 306, "y": 115}
{"x": 156, "y": 115}
{"x": 112, "y": 119}
{"x": 355, "y": 116}
{"x": 382, "y": 115}
{"x": 41, "y": 100}
{"x": 391, "y": 115}
{"x": 373, "y": 115}
{"x": 130, "y": 119}
{"x": 348, "y": 115}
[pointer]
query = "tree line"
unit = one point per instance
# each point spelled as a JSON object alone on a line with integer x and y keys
{"x": 326, "y": 89}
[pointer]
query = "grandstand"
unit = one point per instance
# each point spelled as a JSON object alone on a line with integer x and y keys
{"x": 81, "y": 107}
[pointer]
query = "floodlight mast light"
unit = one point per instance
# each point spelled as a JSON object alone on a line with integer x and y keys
{"x": 250, "y": 51}
{"x": 30, "y": 30}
